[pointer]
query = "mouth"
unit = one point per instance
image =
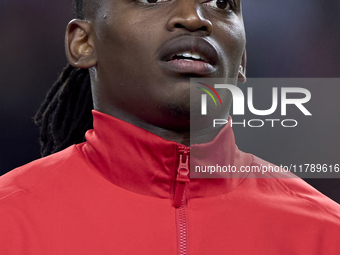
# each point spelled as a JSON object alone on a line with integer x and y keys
{"x": 189, "y": 55}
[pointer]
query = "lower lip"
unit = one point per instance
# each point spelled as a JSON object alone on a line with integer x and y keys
{"x": 189, "y": 67}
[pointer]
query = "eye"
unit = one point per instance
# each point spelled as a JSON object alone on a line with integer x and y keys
{"x": 220, "y": 4}
{"x": 151, "y": 1}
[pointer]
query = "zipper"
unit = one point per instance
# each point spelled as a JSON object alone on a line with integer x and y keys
{"x": 179, "y": 201}
{"x": 181, "y": 219}
{"x": 182, "y": 175}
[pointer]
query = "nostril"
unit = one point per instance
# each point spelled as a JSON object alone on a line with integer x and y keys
{"x": 192, "y": 21}
{"x": 203, "y": 28}
{"x": 178, "y": 25}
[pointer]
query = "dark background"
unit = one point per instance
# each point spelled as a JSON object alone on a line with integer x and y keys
{"x": 285, "y": 39}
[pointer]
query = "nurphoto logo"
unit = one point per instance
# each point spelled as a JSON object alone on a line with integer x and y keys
{"x": 301, "y": 97}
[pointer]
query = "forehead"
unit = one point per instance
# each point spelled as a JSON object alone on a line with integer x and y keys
{"x": 86, "y": 8}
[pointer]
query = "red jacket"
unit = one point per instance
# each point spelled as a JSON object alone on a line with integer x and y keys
{"x": 115, "y": 194}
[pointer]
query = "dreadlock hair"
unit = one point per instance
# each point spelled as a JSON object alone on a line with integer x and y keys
{"x": 65, "y": 115}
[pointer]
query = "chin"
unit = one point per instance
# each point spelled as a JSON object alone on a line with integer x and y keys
{"x": 175, "y": 117}
{"x": 178, "y": 111}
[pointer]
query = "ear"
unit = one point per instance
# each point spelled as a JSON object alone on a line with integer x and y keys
{"x": 79, "y": 44}
{"x": 242, "y": 69}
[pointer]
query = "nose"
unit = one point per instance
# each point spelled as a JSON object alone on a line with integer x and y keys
{"x": 189, "y": 15}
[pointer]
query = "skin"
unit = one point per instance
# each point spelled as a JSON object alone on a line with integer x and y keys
{"x": 120, "y": 43}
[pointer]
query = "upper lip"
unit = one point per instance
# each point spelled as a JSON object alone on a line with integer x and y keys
{"x": 189, "y": 44}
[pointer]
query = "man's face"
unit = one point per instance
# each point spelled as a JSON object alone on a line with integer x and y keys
{"x": 148, "y": 49}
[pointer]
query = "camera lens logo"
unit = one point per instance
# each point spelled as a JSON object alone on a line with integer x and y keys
{"x": 204, "y": 97}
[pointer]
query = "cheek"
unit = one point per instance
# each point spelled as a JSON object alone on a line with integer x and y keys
{"x": 126, "y": 57}
{"x": 233, "y": 39}
{"x": 122, "y": 43}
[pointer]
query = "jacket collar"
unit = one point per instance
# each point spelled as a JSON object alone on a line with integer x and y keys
{"x": 142, "y": 162}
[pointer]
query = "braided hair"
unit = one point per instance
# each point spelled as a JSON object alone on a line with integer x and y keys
{"x": 65, "y": 115}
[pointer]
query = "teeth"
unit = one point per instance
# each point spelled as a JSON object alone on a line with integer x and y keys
{"x": 186, "y": 54}
{"x": 190, "y": 54}
{"x": 196, "y": 55}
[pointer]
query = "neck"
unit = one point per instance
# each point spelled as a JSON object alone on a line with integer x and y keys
{"x": 183, "y": 136}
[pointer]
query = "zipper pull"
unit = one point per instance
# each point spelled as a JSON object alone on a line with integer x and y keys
{"x": 182, "y": 176}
